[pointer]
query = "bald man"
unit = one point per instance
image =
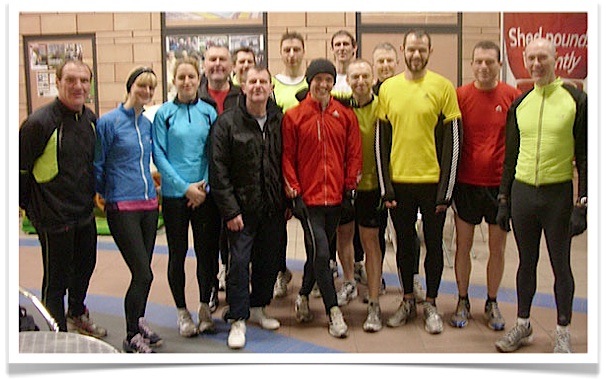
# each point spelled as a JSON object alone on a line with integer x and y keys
{"x": 546, "y": 133}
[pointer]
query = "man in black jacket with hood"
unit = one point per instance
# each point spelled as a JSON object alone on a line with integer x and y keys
{"x": 246, "y": 180}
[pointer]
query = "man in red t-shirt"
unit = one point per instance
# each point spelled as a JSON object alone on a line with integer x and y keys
{"x": 484, "y": 104}
{"x": 217, "y": 90}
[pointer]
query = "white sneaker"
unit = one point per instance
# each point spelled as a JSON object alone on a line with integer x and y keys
{"x": 406, "y": 312}
{"x": 187, "y": 328}
{"x": 518, "y": 336}
{"x": 337, "y": 326}
{"x": 258, "y": 316}
{"x": 302, "y": 312}
{"x": 417, "y": 289}
{"x": 562, "y": 342}
{"x": 205, "y": 320}
{"x": 348, "y": 292}
{"x": 433, "y": 320}
{"x": 237, "y": 335}
{"x": 280, "y": 288}
{"x": 360, "y": 273}
{"x": 373, "y": 321}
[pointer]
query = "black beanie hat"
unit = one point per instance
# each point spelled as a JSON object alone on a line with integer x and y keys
{"x": 320, "y": 66}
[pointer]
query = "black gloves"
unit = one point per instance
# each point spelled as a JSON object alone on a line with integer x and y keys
{"x": 349, "y": 196}
{"x": 578, "y": 220}
{"x": 503, "y": 215}
{"x": 299, "y": 209}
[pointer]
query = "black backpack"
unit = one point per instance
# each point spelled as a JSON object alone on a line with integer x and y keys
{"x": 26, "y": 322}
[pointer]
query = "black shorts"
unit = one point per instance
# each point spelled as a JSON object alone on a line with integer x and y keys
{"x": 348, "y": 214}
{"x": 472, "y": 203}
{"x": 368, "y": 213}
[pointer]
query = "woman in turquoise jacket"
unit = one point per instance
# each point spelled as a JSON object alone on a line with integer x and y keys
{"x": 180, "y": 135}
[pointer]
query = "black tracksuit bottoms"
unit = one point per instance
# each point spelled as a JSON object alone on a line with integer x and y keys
{"x": 69, "y": 257}
{"x": 254, "y": 254}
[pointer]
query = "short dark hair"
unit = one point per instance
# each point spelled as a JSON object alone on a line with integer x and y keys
{"x": 77, "y": 62}
{"x": 419, "y": 33}
{"x": 385, "y": 46}
{"x": 258, "y": 68}
{"x": 244, "y": 49}
{"x": 292, "y": 35}
{"x": 487, "y": 45}
{"x": 343, "y": 32}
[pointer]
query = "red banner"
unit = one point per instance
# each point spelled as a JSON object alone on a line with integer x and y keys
{"x": 568, "y": 32}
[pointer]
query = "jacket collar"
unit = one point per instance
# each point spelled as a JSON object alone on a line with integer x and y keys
{"x": 549, "y": 88}
{"x": 176, "y": 101}
{"x": 65, "y": 111}
{"x": 272, "y": 107}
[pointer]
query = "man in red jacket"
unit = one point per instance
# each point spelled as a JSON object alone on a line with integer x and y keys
{"x": 322, "y": 165}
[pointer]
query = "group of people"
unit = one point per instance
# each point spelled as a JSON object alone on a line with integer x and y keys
{"x": 340, "y": 146}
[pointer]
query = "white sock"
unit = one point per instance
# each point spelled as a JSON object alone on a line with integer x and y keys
{"x": 523, "y": 321}
{"x": 562, "y": 328}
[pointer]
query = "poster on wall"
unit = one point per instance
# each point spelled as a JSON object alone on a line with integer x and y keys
{"x": 46, "y": 86}
{"x": 568, "y": 32}
{"x": 188, "y": 45}
{"x": 43, "y": 55}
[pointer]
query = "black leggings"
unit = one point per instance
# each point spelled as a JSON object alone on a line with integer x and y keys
{"x": 536, "y": 210}
{"x": 135, "y": 236}
{"x": 206, "y": 227}
{"x": 318, "y": 231}
{"x": 411, "y": 197}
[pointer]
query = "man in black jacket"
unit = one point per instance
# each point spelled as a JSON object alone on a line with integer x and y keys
{"x": 246, "y": 180}
{"x": 57, "y": 187}
{"x": 217, "y": 90}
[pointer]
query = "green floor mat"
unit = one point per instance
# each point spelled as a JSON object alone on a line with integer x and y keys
{"x": 102, "y": 228}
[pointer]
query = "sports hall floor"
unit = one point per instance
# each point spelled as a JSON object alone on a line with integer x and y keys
{"x": 111, "y": 277}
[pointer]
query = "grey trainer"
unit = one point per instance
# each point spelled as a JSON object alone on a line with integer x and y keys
{"x": 519, "y": 335}
{"x": 337, "y": 326}
{"x": 461, "y": 317}
{"x": 347, "y": 293}
{"x": 433, "y": 320}
{"x": 562, "y": 342}
{"x": 373, "y": 321}
{"x": 302, "y": 312}
{"x": 493, "y": 316}
{"x": 405, "y": 313}
{"x": 205, "y": 320}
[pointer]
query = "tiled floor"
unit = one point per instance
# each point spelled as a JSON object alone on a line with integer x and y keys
{"x": 111, "y": 278}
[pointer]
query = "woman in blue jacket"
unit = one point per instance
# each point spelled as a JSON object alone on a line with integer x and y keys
{"x": 123, "y": 179}
{"x": 180, "y": 134}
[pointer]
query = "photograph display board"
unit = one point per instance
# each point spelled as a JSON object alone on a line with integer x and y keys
{"x": 44, "y": 54}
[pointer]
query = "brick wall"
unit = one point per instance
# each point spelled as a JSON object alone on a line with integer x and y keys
{"x": 126, "y": 39}
{"x": 123, "y": 40}
{"x": 476, "y": 27}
